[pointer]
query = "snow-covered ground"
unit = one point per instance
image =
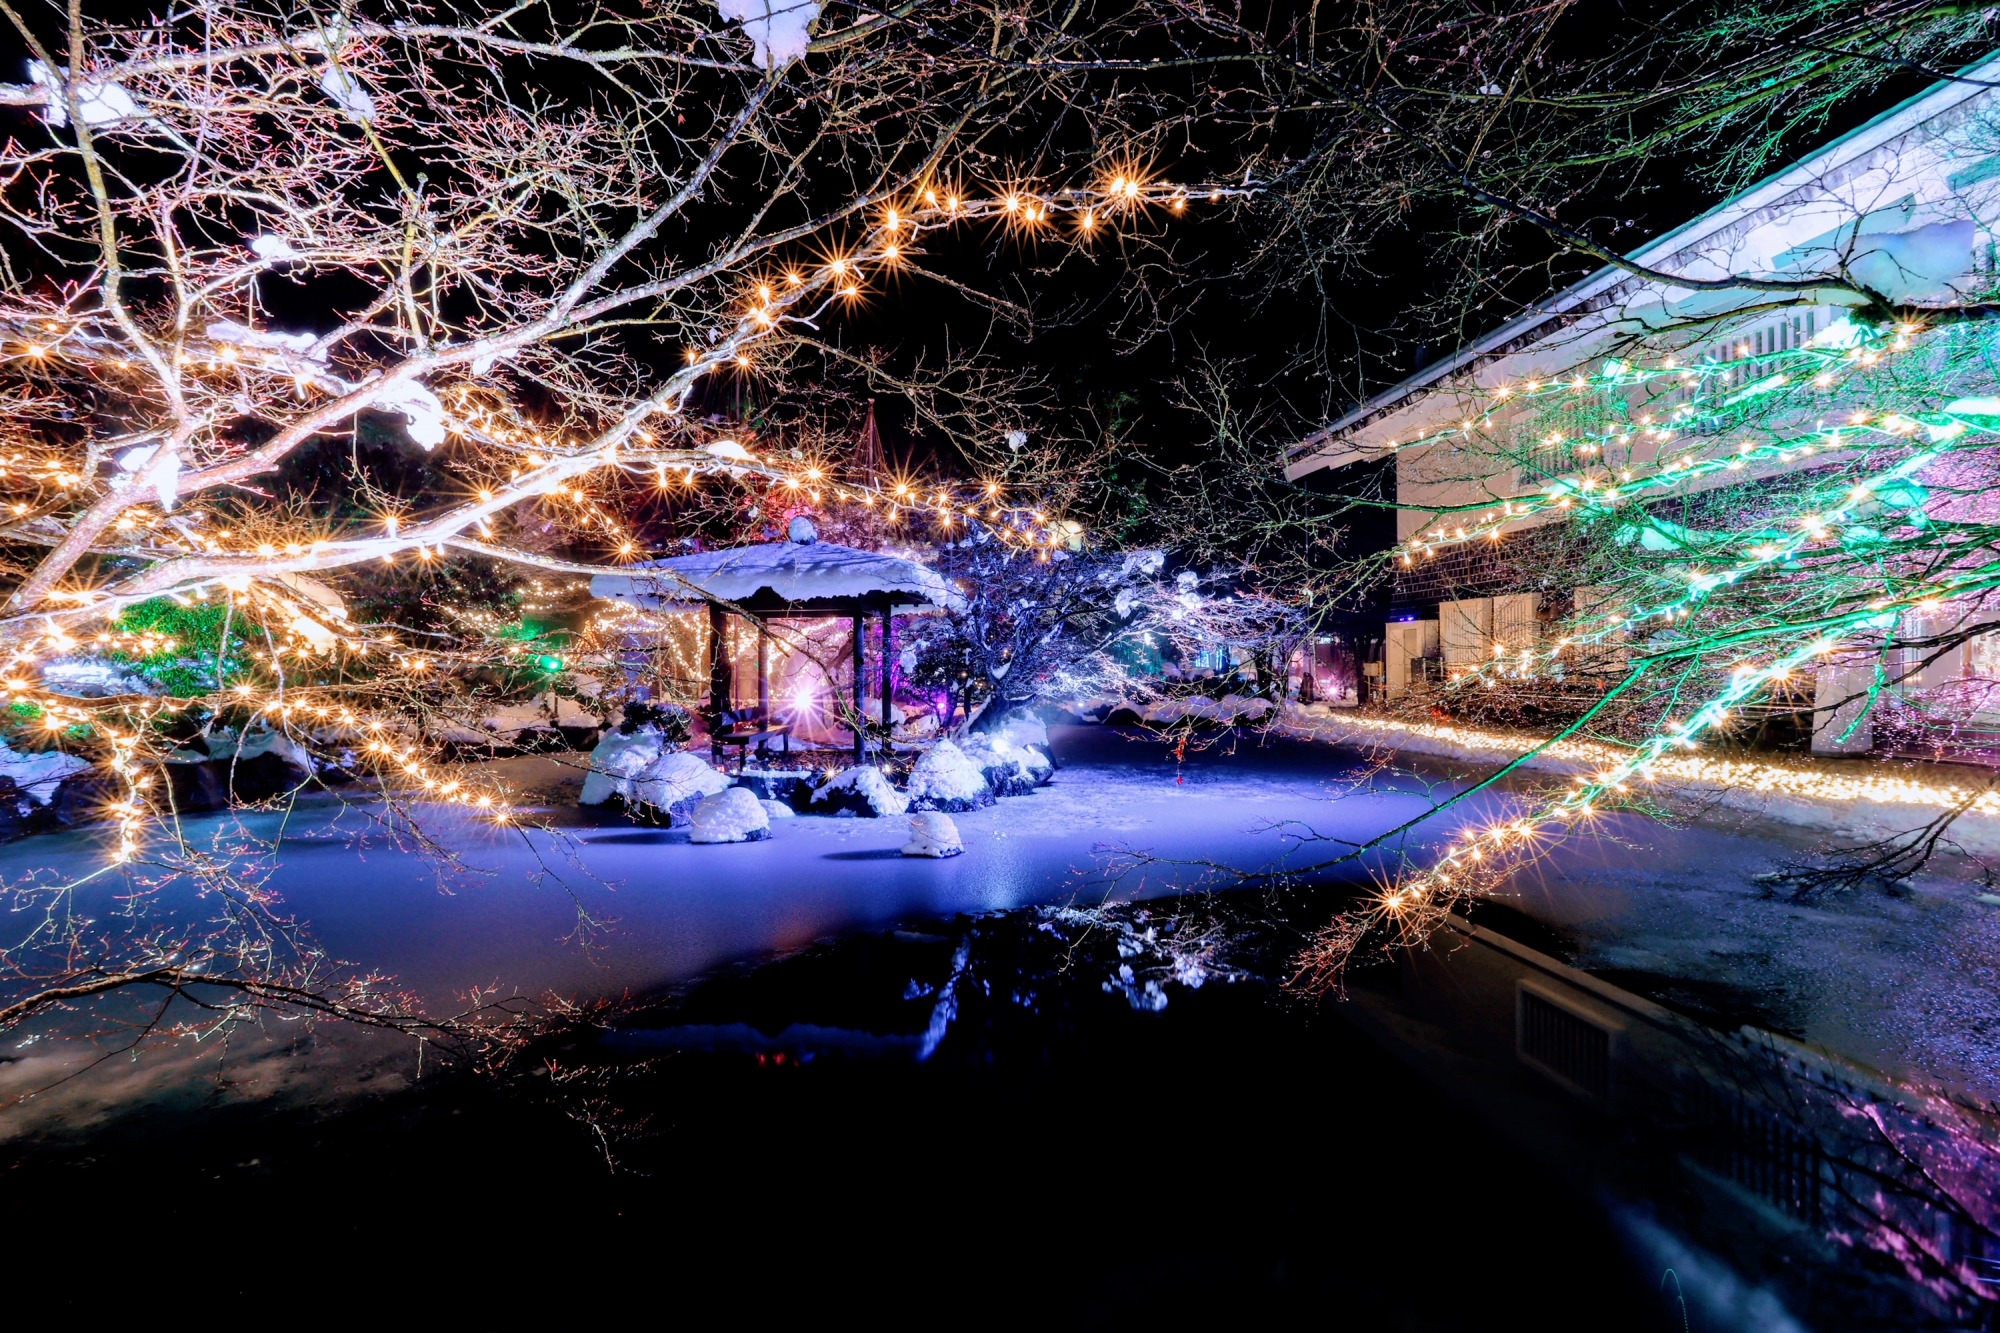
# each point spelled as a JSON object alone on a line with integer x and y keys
{"x": 1907, "y": 984}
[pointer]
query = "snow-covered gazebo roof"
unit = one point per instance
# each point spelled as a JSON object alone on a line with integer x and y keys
{"x": 803, "y": 577}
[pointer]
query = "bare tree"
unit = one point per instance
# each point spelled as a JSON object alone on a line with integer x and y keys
{"x": 524, "y": 236}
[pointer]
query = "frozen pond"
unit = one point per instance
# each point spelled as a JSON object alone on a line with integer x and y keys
{"x": 1905, "y": 984}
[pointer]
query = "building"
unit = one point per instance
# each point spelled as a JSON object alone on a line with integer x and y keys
{"x": 1909, "y": 204}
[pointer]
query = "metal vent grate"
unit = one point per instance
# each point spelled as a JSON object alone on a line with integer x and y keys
{"x": 1771, "y": 1157}
{"x": 1564, "y": 1043}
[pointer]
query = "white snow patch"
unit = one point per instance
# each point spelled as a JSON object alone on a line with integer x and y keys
{"x": 1914, "y": 265}
{"x": 97, "y": 103}
{"x": 273, "y": 249}
{"x": 37, "y": 776}
{"x": 347, "y": 92}
{"x": 778, "y": 810}
{"x": 731, "y": 815}
{"x": 933, "y": 834}
{"x": 1138, "y": 564}
{"x": 1023, "y": 729}
{"x": 1147, "y": 997}
{"x": 420, "y": 408}
{"x": 164, "y": 475}
{"x": 1974, "y": 407}
{"x": 485, "y": 361}
{"x": 730, "y": 450}
{"x": 241, "y": 335}
{"x": 779, "y": 30}
{"x": 1229, "y": 709}
{"x": 947, "y": 780}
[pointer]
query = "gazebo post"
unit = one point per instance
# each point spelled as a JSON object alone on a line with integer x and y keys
{"x": 764, "y": 669}
{"x": 718, "y": 670}
{"x": 860, "y": 691}
{"x": 888, "y": 656}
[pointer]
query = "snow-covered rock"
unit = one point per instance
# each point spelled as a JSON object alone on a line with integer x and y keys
{"x": 1010, "y": 769}
{"x": 778, "y": 810}
{"x": 674, "y": 782}
{"x": 863, "y": 791}
{"x": 227, "y": 767}
{"x": 93, "y": 678}
{"x": 36, "y": 776}
{"x": 617, "y": 761}
{"x": 933, "y": 834}
{"x": 640, "y": 769}
{"x": 256, "y": 742}
{"x": 945, "y": 779}
{"x": 731, "y": 815}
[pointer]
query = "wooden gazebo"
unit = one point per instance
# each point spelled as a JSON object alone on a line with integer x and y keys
{"x": 800, "y": 578}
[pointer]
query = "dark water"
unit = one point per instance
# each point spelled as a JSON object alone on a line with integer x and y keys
{"x": 1061, "y": 1158}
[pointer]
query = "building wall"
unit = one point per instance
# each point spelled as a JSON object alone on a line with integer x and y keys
{"x": 1922, "y": 180}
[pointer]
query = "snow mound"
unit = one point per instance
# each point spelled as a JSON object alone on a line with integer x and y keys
{"x": 778, "y": 810}
{"x": 731, "y": 815}
{"x": 863, "y": 790}
{"x": 36, "y": 776}
{"x": 933, "y": 834}
{"x": 945, "y": 779}
{"x": 779, "y": 30}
